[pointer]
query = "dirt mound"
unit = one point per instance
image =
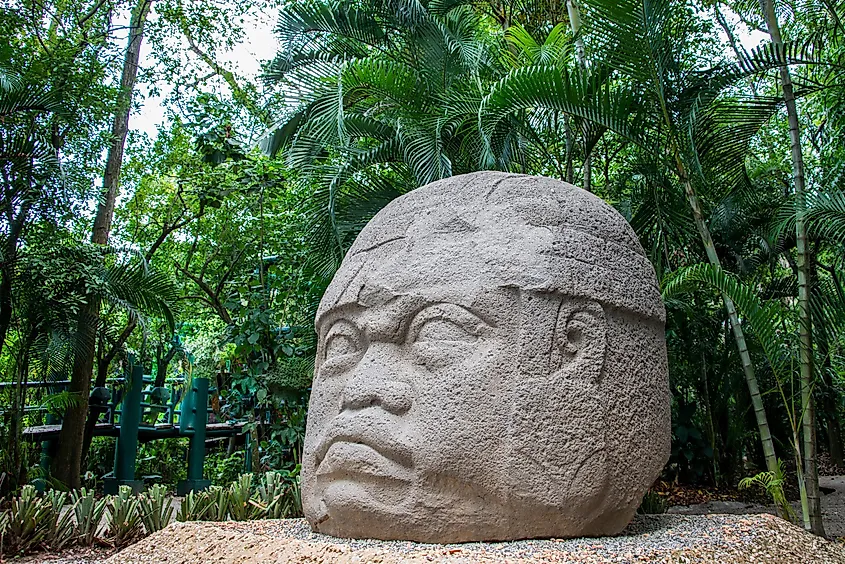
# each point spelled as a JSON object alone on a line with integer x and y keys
{"x": 650, "y": 538}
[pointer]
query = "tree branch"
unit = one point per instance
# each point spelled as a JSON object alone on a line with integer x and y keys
{"x": 214, "y": 300}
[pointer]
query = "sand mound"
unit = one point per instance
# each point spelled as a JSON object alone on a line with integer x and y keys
{"x": 650, "y": 538}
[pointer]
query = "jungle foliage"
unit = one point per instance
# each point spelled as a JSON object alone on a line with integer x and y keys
{"x": 715, "y": 128}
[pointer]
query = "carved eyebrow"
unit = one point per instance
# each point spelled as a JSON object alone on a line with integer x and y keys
{"x": 386, "y": 322}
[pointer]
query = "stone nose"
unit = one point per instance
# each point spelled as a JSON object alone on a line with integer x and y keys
{"x": 373, "y": 385}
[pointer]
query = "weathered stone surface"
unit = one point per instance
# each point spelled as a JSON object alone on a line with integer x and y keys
{"x": 491, "y": 365}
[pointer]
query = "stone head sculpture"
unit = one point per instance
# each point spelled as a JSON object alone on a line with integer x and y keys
{"x": 491, "y": 365}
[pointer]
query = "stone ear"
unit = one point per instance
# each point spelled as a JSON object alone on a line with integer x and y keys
{"x": 580, "y": 340}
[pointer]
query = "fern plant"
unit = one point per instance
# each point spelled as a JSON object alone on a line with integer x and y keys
{"x": 89, "y": 514}
{"x": 772, "y": 483}
{"x": 156, "y": 509}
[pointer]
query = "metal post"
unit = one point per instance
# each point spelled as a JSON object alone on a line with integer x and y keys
{"x": 247, "y": 453}
{"x": 193, "y": 422}
{"x": 127, "y": 443}
{"x": 46, "y": 458}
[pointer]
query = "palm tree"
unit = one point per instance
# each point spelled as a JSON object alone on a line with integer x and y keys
{"x": 28, "y": 162}
{"x": 665, "y": 108}
{"x": 388, "y": 93}
{"x": 805, "y": 327}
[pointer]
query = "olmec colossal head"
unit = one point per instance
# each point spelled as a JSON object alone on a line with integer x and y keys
{"x": 491, "y": 365}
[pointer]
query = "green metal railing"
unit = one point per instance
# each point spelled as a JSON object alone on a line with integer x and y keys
{"x": 136, "y": 413}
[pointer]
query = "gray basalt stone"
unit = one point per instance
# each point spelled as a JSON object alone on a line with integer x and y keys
{"x": 491, "y": 365}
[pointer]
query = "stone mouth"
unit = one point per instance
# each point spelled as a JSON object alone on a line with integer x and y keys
{"x": 346, "y": 458}
{"x": 368, "y": 429}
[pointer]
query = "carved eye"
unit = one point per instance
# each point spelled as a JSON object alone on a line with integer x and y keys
{"x": 342, "y": 340}
{"x": 445, "y": 323}
{"x": 339, "y": 345}
{"x": 440, "y": 329}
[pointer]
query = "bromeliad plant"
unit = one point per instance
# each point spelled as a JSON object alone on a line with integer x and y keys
{"x": 194, "y": 507}
{"x": 28, "y": 524}
{"x": 61, "y": 530}
{"x": 33, "y": 521}
{"x": 156, "y": 508}
{"x": 241, "y": 505}
{"x": 123, "y": 516}
{"x": 218, "y": 503}
{"x": 89, "y": 514}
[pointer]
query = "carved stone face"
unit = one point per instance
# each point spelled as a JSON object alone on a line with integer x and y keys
{"x": 460, "y": 395}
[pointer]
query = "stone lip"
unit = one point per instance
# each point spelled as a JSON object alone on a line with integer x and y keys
{"x": 649, "y": 538}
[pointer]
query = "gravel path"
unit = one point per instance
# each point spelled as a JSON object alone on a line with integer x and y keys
{"x": 833, "y": 505}
{"x": 650, "y": 538}
{"x": 701, "y": 533}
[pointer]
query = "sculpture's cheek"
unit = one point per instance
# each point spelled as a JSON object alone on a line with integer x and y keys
{"x": 459, "y": 413}
{"x": 558, "y": 445}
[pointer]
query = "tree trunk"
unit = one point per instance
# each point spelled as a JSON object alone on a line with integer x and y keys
{"x": 7, "y": 277}
{"x": 805, "y": 327}
{"x": 68, "y": 460}
{"x": 736, "y": 328}
{"x": 7, "y": 269}
{"x": 574, "y": 12}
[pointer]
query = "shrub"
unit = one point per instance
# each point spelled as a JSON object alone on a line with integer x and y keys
{"x": 29, "y": 519}
{"x": 223, "y": 469}
{"x": 164, "y": 459}
{"x": 89, "y": 514}
{"x": 124, "y": 519}
{"x": 101, "y": 456}
{"x": 156, "y": 508}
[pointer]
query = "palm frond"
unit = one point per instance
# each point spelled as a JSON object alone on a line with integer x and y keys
{"x": 140, "y": 291}
{"x": 590, "y": 97}
{"x": 339, "y": 19}
{"x": 763, "y": 319}
{"x": 824, "y": 215}
{"x": 722, "y": 136}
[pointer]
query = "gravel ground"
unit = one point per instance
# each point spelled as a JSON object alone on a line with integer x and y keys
{"x": 650, "y": 538}
{"x": 700, "y": 533}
